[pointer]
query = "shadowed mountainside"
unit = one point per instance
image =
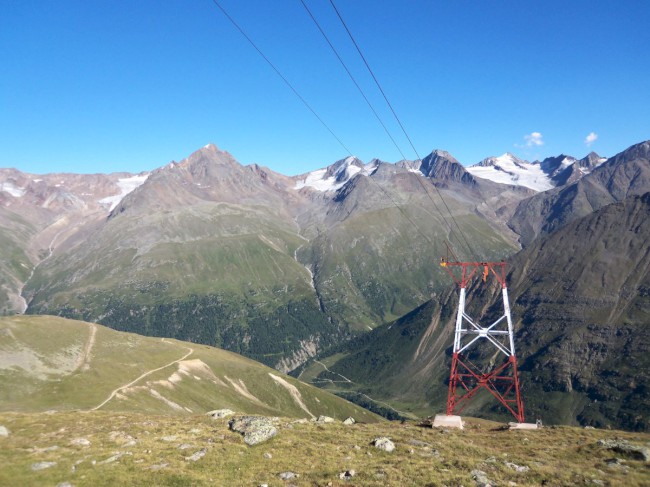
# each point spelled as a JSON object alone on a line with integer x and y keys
{"x": 580, "y": 300}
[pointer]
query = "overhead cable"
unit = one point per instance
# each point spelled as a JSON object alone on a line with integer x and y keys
{"x": 469, "y": 247}
{"x": 352, "y": 77}
{"x": 277, "y": 71}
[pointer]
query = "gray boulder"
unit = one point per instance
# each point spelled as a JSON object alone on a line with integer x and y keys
{"x": 481, "y": 479}
{"x": 383, "y": 443}
{"x": 288, "y": 475}
{"x": 256, "y": 429}
{"x": 4, "y": 431}
{"x": 42, "y": 465}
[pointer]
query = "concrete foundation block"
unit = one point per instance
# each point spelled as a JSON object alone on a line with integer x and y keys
{"x": 523, "y": 426}
{"x": 447, "y": 421}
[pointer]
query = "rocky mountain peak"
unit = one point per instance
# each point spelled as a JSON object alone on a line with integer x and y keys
{"x": 441, "y": 164}
{"x": 553, "y": 165}
{"x": 506, "y": 159}
{"x": 590, "y": 162}
{"x": 343, "y": 168}
{"x": 443, "y": 154}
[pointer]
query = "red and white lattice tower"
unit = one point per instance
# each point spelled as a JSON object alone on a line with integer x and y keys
{"x": 466, "y": 379}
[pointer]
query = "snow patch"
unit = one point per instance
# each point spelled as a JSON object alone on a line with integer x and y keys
{"x": 12, "y": 189}
{"x": 566, "y": 162}
{"x": 506, "y": 169}
{"x": 126, "y": 185}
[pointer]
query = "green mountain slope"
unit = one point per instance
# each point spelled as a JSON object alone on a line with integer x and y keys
{"x": 51, "y": 363}
{"x": 581, "y": 307}
{"x": 377, "y": 260}
{"x": 234, "y": 256}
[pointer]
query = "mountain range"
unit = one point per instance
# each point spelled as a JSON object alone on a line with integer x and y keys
{"x": 580, "y": 302}
{"x": 283, "y": 268}
{"x": 239, "y": 256}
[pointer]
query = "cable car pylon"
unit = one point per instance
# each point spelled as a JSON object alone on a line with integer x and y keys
{"x": 465, "y": 378}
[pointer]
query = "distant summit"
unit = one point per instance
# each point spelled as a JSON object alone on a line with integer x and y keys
{"x": 335, "y": 176}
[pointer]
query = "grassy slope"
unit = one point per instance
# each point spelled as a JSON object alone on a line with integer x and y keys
{"x": 374, "y": 267}
{"x": 41, "y": 370}
{"x": 318, "y": 453}
{"x": 226, "y": 274}
{"x": 215, "y": 274}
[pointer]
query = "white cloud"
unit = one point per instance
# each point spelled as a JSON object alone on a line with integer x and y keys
{"x": 590, "y": 139}
{"x": 533, "y": 139}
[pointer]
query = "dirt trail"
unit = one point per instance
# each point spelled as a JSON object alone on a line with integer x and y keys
{"x": 115, "y": 391}
{"x": 403, "y": 413}
{"x": 336, "y": 373}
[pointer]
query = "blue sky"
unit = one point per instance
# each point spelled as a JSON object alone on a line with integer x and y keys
{"x": 122, "y": 85}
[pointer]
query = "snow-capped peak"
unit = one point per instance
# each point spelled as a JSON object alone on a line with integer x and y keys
{"x": 335, "y": 176}
{"x": 509, "y": 169}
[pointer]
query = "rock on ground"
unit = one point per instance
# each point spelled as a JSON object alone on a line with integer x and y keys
{"x": 42, "y": 465}
{"x": 348, "y": 474}
{"x": 481, "y": 479}
{"x": 288, "y": 475}
{"x": 197, "y": 456}
{"x": 349, "y": 420}
{"x": 384, "y": 443}
{"x": 4, "y": 431}
{"x": 220, "y": 413}
{"x": 80, "y": 442}
{"x": 114, "y": 458}
{"x": 624, "y": 447}
{"x": 517, "y": 468}
{"x": 256, "y": 429}
{"x": 324, "y": 419}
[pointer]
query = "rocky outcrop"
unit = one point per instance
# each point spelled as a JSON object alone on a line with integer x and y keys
{"x": 256, "y": 429}
{"x": 635, "y": 452}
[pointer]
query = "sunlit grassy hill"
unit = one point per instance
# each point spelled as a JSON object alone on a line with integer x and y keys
{"x": 50, "y": 363}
